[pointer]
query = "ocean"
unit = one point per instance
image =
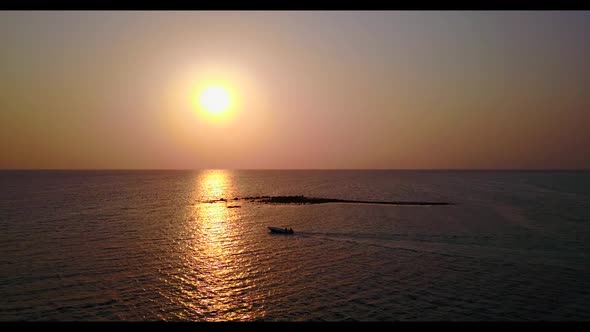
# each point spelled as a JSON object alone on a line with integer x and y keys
{"x": 162, "y": 245}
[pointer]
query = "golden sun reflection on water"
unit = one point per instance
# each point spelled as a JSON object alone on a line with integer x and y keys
{"x": 213, "y": 184}
{"x": 217, "y": 283}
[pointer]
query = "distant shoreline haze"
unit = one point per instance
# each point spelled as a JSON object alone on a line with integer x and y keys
{"x": 317, "y": 169}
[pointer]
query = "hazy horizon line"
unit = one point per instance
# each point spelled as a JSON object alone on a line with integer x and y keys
{"x": 295, "y": 169}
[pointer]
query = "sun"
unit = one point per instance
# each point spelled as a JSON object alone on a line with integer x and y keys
{"x": 215, "y": 99}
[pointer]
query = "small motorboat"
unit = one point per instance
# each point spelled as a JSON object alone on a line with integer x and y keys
{"x": 281, "y": 230}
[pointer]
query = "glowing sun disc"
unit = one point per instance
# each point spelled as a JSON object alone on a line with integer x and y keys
{"x": 215, "y": 99}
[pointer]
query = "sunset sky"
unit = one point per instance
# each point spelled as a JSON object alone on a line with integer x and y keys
{"x": 321, "y": 90}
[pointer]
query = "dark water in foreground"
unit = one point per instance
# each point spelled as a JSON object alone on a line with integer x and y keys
{"x": 139, "y": 245}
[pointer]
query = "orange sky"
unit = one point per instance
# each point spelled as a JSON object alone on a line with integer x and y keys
{"x": 315, "y": 90}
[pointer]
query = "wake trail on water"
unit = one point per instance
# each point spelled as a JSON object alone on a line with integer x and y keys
{"x": 498, "y": 254}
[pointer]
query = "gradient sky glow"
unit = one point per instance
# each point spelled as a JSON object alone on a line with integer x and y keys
{"x": 329, "y": 90}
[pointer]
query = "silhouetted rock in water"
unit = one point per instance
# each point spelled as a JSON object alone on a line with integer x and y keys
{"x": 300, "y": 199}
{"x": 215, "y": 200}
{"x": 315, "y": 200}
{"x": 255, "y": 197}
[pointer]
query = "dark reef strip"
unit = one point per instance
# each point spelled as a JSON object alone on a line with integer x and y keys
{"x": 316, "y": 200}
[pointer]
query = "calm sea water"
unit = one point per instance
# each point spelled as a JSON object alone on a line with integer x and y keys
{"x": 140, "y": 245}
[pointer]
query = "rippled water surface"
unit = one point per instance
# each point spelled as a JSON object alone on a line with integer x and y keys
{"x": 143, "y": 245}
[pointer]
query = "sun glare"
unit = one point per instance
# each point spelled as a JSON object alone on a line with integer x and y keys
{"x": 215, "y": 99}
